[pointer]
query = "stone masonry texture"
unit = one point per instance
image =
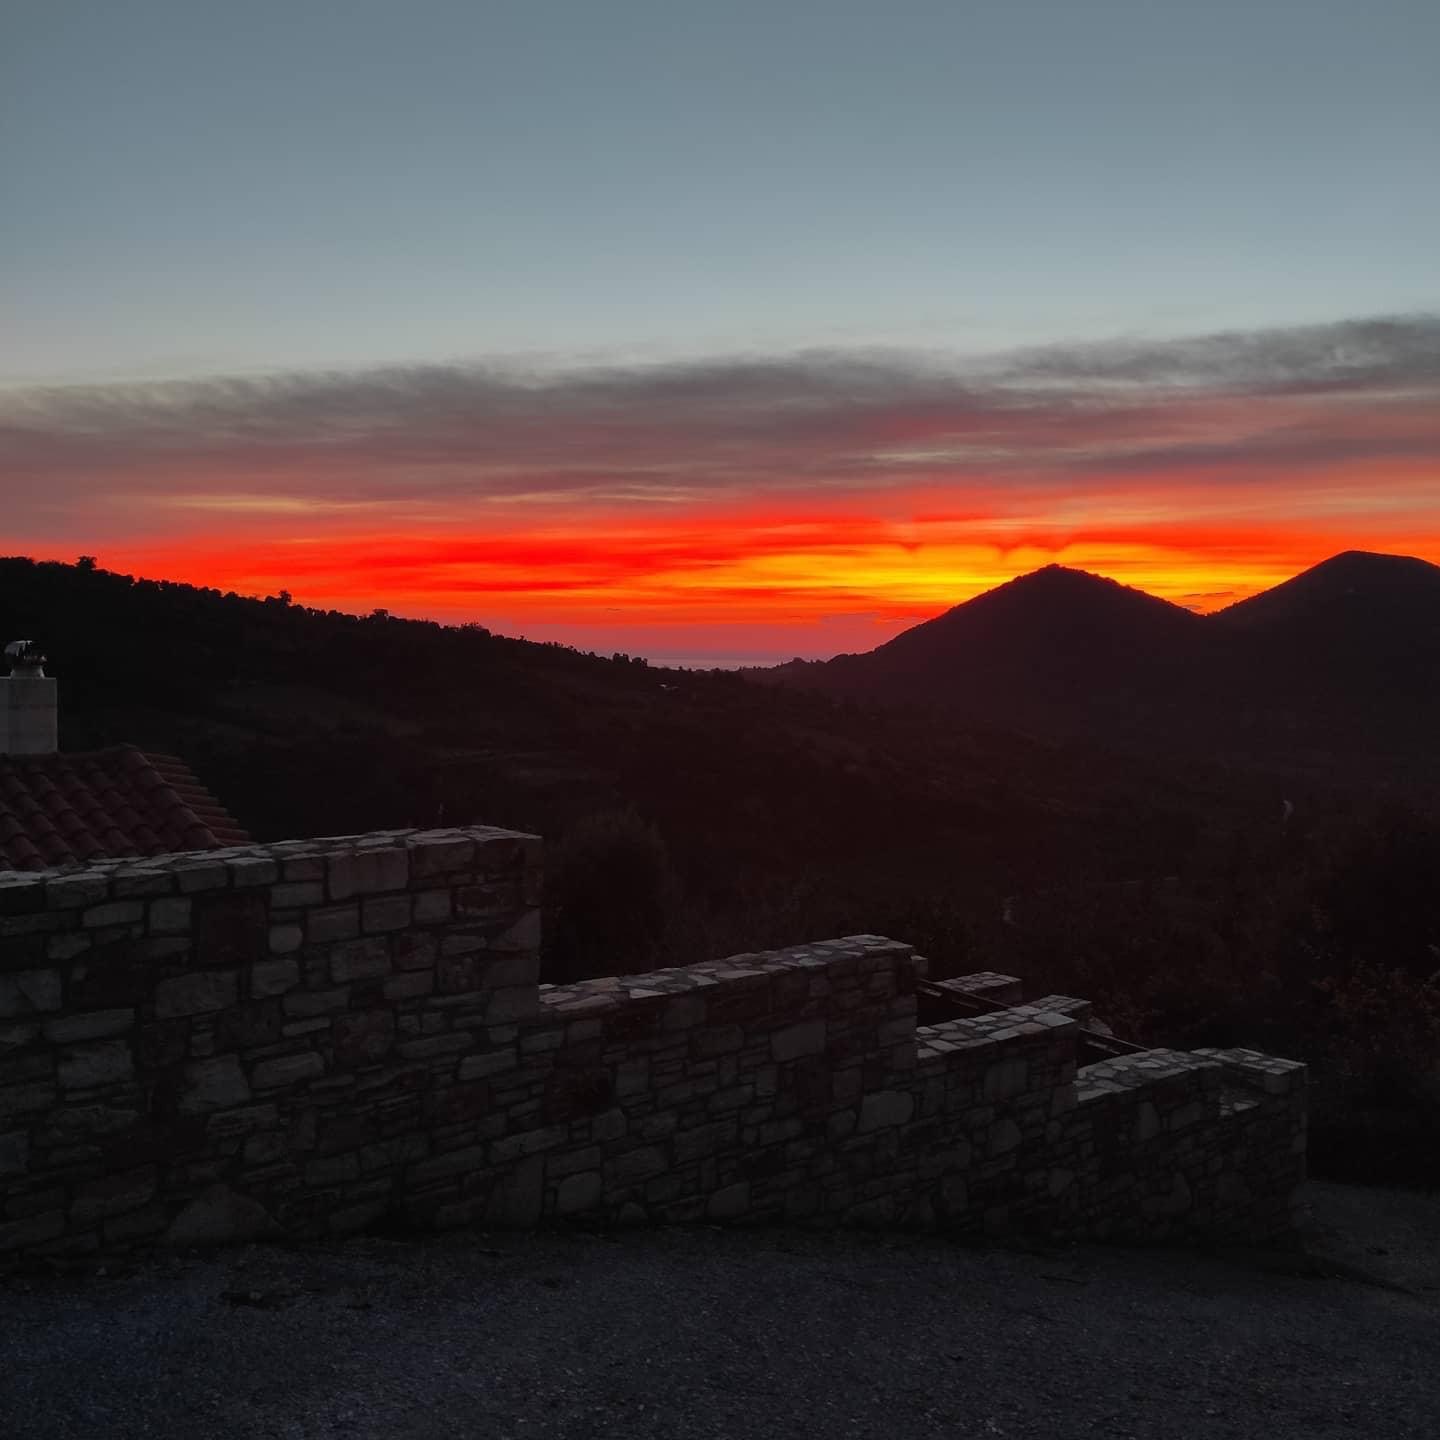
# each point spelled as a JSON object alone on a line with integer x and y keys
{"x": 319, "y": 1037}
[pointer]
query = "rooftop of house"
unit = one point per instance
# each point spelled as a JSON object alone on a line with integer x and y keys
{"x": 64, "y": 809}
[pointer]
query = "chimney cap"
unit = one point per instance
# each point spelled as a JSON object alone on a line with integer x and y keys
{"x": 25, "y": 657}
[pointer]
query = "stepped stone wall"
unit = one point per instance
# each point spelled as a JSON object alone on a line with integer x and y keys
{"x": 323, "y": 1036}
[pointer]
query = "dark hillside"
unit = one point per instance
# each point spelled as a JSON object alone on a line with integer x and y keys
{"x": 310, "y": 722}
{"x": 1357, "y": 632}
{"x": 1057, "y": 648}
{"x": 1334, "y": 672}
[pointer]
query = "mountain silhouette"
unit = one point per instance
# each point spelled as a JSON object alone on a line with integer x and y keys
{"x": 1359, "y": 630}
{"x": 1353, "y": 642}
{"x": 1052, "y": 649}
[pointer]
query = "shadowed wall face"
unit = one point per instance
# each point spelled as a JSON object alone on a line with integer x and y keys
{"x": 318, "y": 1036}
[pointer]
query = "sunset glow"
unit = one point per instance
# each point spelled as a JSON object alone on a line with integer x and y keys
{"x": 736, "y": 587}
{"x": 744, "y": 510}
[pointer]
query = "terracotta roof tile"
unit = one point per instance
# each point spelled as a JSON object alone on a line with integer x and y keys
{"x": 105, "y": 804}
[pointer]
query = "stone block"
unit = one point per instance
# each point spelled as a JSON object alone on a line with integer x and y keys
{"x": 15, "y": 927}
{"x": 17, "y": 1037}
{"x": 91, "y": 1025}
{"x": 579, "y": 1192}
{"x": 287, "y": 1070}
{"x": 1186, "y": 1116}
{"x": 955, "y": 1195}
{"x": 170, "y": 915}
{"x": 135, "y": 881}
{"x": 198, "y": 993}
{"x": 440, "y": 855}
{"x": 411, "y": 986}
{"x": 163, "y": 1043}
{"x": 215, "y": 1084}
{"x": 885, "y": 1108}
{"x": 1147, "y": 1121}
{"x": 457, "y": 972}
{"x": 484, "y": 902}
{"x": 359, "y": 960}
{"x": 29, "y": 992}
{"x": 428, "y": 1047}
{"x": 305, "y": 1004}
{"x": 243, "y": 1120}
{"x": 14, "y": 1153}
{"x": 523, "y": 934}
{"x": 75, "y": 892}
{"x": 364, "y": 1037}
{"x": 730, "y": 1203}
{"x": 85, "y": 1066}
{"x": 333, "y": 922}
{"x": 31, "y": 1231}
{"x": 273, "y": 977}
{"x": 493, "y": 1062}
{"x": 1005, "y": 1136}
{"x": 847, "y": 1085}
{"x": 514, "y": 1002}
{"x": 796, "y": 1041}
{"x": 528, "y": 1142}
{"x": 413, "y": 950}
{"x": 294, "y": 1028}
{"x": 609, "y": 1125}
{"x": 68, "y": 945}
{"x": 559, "y": 1163}
{"x": 303, "y": 867}
{"x": 635, "y": 1166}
{"x": 113, "y": 912}
{"x": 1005, "y": 1079}
{"x": 297, "y": 894}
{"x": 384, "y": 914}
{"x": 717, "y": 1040}
{"x": 220, "y": 1216}
{"x": 286, "y": 939}
{"x": 113, "y": 1195}
{"x": 432, "y": 907}
{"x": 681, "y": 1012}
{"x": 444, "y": 1167}
{"x": 248, "y": 1026}
{"x": 199, "y": 876}
{"x": 367, "y": 872}
{"x": 1174, "y": 1202}
{"x": 516, "y": 1198}
{"x": 140, "y": 1224}
{"x": 502, "y": 972}
{"x": 248, "y": 871}
{"x": 230, "y": 930}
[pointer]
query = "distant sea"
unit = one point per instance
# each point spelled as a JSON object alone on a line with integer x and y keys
{"x": 715, "y": 662}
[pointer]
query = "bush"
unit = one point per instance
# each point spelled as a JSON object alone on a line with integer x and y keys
{"x": 613, "y": 895}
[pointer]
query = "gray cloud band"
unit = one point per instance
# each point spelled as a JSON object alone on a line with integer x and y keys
{"x": 1265, "y": 401}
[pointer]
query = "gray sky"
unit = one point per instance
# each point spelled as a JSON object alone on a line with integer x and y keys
{"x": 194, "y": 187}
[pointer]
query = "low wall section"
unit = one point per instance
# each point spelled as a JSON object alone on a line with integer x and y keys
{"x": 318, "y": 1037}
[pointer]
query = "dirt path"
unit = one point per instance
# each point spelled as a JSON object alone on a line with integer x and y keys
{"x": 742, "y": 1334}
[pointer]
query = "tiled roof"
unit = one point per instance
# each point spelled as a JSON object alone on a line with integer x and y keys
{"x": 104, "y": 804}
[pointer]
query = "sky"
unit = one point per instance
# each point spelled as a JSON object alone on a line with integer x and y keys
{"x": 717, "y": 332}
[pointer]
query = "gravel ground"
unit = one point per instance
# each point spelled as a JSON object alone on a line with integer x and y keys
{"x": 742, "y": 1334}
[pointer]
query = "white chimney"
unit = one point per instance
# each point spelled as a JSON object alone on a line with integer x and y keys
{"x": 28, "y": 708}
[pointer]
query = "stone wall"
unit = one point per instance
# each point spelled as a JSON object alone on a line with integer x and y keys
{"x": 319, "y": 1037}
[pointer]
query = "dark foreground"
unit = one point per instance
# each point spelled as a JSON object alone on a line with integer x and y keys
{"x": 730, "y": 1334}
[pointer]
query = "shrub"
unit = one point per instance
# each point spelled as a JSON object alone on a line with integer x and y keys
{"x": 612, "y": 893}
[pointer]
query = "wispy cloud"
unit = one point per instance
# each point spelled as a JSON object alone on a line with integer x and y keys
{"x": 438, "y": 439}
